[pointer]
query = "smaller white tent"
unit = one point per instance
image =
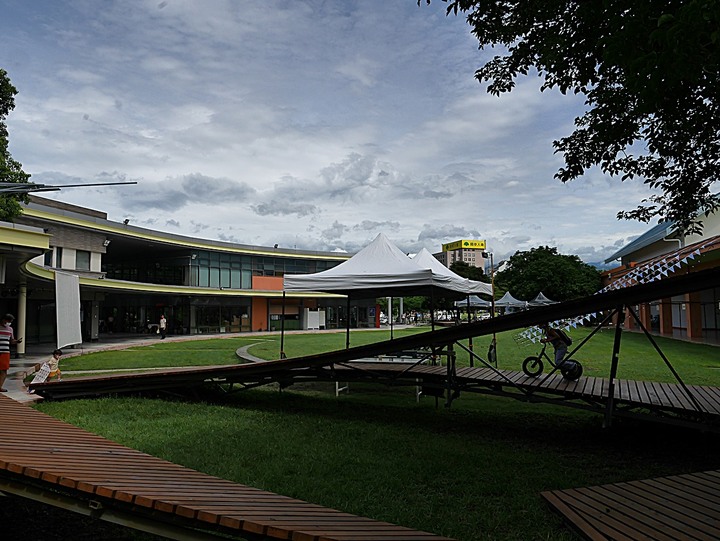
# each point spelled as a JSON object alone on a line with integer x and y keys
{"x": 474, "y": 301}
{"x": 541, "y": 300}
{"x": 508, "y": 301}
{"x": 426, "y": 260}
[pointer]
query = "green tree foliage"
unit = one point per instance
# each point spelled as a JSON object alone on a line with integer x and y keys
{"x": 10, "y": 170}
{"x": 469, "y": 271}
{"x": 650, "y": 72}
{"x": 560, "y": 277}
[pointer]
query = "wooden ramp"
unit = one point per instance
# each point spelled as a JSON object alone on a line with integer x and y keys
{"x": 694, "y": 406}
{"x": 680, "y": 507}
{"x": 691, "y": 405}
{"x": 49, "y": 460}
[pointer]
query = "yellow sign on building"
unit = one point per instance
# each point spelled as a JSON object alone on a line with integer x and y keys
{"x": 464, "y": 244}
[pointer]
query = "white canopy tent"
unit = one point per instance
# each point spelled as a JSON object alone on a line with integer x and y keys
{"x": 381, "y": 269}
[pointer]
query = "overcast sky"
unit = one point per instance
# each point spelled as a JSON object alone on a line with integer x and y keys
{"x": 311, "y": 124}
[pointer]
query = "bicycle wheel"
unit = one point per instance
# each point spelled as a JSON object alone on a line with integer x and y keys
{"x": 571, "y": 369}
{"x": 532, "y": 366}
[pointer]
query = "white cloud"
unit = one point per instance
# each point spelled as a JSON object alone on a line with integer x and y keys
{"x": 309, "y": 124}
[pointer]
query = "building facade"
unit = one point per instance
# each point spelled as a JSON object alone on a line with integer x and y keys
{"x": 469, "y": 251}
{"x": 662, "y": 252}
{"x": 130, "y": 276}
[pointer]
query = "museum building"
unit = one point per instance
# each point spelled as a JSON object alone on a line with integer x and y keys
{"x": 129, "y": 276}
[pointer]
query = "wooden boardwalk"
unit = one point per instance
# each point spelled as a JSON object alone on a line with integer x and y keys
{"x": 44, "y": 456}
{"x": 676, "y": 508}
{"x": 692, "y": 405}
{"x": 671, "y": 402}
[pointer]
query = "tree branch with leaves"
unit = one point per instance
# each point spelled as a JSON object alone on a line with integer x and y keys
{"x": 10, "y": 169}
{"x": 650, "y": 73}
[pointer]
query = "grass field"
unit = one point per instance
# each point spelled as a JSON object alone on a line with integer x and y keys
{"x": 472, "y": 472}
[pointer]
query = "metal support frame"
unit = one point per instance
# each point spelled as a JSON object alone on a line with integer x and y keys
{"x": 98, "y": 509}
{"x": 610, "y": 404}
{"x": 282, "y": 329}
{"x": 667, "y": 362}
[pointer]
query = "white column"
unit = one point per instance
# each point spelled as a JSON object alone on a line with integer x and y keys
{"x": 21, "y": 318}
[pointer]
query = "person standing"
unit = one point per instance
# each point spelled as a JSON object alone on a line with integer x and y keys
{"x": 163, "y": 327}
{"x": 7, "y": 338}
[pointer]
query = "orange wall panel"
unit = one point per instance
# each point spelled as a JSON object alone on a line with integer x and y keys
{"x": 272, "y": 283}
{"x": 259, "y": 314}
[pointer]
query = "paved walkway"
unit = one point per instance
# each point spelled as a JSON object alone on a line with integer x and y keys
{"x": 36, "y": 354}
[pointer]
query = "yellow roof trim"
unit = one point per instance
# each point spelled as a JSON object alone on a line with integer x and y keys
{"x": 24, "y": 238}
{"x": 141, "y": 287}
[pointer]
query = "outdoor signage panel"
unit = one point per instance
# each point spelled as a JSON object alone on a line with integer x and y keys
{"x": 464, "y": 244}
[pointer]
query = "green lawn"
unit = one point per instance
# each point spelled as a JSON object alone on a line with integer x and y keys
{"x": 472, "y": 472}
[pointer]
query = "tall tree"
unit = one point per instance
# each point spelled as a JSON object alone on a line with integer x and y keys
{"x": 10, "y": 169}
{"x": 650, "y": 72}
{"x": 560, "y": 277}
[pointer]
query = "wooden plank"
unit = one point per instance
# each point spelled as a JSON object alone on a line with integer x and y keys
{"x": 577, "y": 520}
{"x": 657, "y": 514}
{"x": 596, "y": 516}
{"x": 59, "y": 454}
{"x": 674, "y": 506}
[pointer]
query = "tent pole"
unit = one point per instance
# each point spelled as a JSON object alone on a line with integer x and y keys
{"x": 282, "y": 330}
{"x": 470, "y": 340}
{"x": 347, "y": 320}
{"x": 432, "y": 309}
{"x": 390, "y": 316}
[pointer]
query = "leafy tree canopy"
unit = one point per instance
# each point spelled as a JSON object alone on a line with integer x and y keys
{"x": 10, "y": 170}
{"x": 650, "y": 72}
{"x": 560, "y": 277}
{"x": 466, "y": 270}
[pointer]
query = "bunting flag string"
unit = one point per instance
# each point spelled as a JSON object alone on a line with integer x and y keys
{"x": 645, "y": 273}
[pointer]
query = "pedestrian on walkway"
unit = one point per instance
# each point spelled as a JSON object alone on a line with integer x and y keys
{"x": 163, "y": 327}
{"x": 7, "y": 338}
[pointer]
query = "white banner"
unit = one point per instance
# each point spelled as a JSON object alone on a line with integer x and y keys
{"x": 67, "y": 309}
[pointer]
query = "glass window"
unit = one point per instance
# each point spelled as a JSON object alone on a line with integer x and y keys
{"x": 224, "y": 277}
{"x": 204, "y": 278}
{"x": 58, "y": 257}
{"x": 214, "y": 277}
{"x": 82, "y": 260}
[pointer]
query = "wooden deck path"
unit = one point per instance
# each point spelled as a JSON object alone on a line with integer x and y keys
{"x": 669, "y": 400}
{"x": 40, "y": 454}
{"x": 680, "y": 508}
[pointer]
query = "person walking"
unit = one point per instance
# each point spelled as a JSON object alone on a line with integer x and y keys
{"x": 7, "y": 338}
{"x": 163, "y": 327}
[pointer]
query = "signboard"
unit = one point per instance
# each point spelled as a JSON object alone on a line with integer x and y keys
{"x": 464, "y": 244}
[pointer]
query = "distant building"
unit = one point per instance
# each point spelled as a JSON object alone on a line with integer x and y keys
{"x": 469, "y": 251}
